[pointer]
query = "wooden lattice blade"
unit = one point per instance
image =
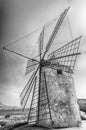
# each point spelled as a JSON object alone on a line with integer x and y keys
{"x": 27, "y": 90}
{"x": 39, "y": 110}
{"x": 33, "y": 111}
{"x": 65, "y": 57}
{"x": 55, "y": 31}
{"x": 31, "y": 66}
{"x": 41, "y": 40}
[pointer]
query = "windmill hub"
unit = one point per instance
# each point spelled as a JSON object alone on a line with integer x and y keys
{"x": 45, "y": 63}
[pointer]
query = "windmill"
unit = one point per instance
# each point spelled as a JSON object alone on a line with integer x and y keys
{"x": 62, "y": 59}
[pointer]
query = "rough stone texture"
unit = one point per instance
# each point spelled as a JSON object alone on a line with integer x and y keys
{"x": 64, "y": 108}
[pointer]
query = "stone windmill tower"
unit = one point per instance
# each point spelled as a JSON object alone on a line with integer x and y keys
{"x": 54, "y": 101}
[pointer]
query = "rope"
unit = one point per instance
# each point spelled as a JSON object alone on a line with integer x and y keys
{"x": 29, "y": 34}
{"x": 34, "y": 48}
{"x": 14, "y": 42}
{"x": 38, "y": 41}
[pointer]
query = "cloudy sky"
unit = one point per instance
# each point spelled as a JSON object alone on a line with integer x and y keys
{"x": 20, "y": 17}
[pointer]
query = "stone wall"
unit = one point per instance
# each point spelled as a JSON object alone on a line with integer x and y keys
{"x": 63, "y": 102}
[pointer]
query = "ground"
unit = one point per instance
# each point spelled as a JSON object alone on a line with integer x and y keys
{"x": 26, "y": 127}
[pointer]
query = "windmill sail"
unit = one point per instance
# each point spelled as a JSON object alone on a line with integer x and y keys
{"x": 41, "y": 40}
{"x": 64, "y": 58}
{"x": 56, "y": 29}
{"x": 24, "y": 94}
{"x": 44, "y": 112}
{"x": 31, "y": 65}
{"x": 27, "y": 89}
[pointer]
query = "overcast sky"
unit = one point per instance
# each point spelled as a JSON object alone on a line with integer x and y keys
{"x": 20, "y": 17}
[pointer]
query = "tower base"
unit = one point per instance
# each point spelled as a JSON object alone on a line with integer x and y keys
{"x": 62, "y": 98}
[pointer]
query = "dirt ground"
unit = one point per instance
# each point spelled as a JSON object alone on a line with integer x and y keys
{"x": 27, "y": 127}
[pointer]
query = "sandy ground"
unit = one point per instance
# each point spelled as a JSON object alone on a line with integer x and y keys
{"x": 26, "y": 127}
